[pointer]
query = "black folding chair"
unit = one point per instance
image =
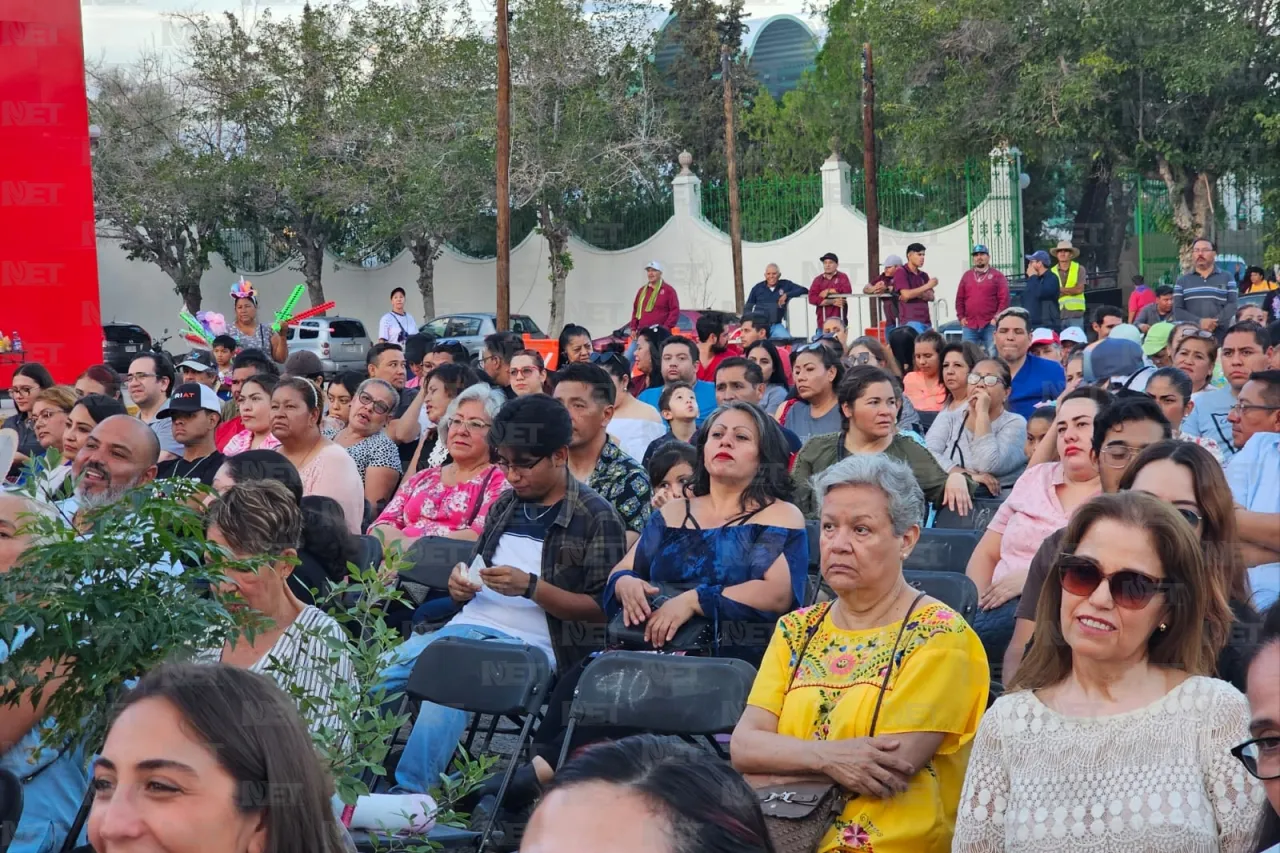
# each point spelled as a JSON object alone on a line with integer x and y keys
{"x": 942, "y": 550}
{"x": 690, "y": 697}
{"x": 485, "y": 678}
{"x": 984, "y": 509}
{"x": 370, "y": 553}
{"x": 432, "y": 559}
{"x": 953, "y": 589}
{"x": 813, "y": 531}
{"x": 10, "y": 807}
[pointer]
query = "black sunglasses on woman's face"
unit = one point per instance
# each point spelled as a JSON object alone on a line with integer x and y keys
{"x": 1129, "y": 589}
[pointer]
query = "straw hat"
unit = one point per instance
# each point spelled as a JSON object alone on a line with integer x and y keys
{"x": 1065, "y": 244}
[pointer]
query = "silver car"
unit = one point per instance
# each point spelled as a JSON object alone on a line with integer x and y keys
{"x": 341, "y": 342}
{"x": 470, "y": 330}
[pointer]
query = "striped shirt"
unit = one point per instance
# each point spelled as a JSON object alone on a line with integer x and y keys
{"x": 1214, "y": 295}
{"x": 304, "y": 664}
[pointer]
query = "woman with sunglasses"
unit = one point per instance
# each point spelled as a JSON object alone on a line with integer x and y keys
{"x": 451, "y": 500}
{"x": 1260, "y": 754}
{"x": 634, "y": 425}
{"x": 1187, "y": 478}
{"x": 528, "y": 373}
{"x": 776, "y": 385}
{"x": 984, "y": 439}
{"x": 365, "y": 439}
{"x": 1112, "y": 731}
{"x": 814, "y": 410}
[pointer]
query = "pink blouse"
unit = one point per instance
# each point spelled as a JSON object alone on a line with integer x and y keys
{"x": 243, "y": 440}
{"x": 1027, "y": 517}
{"x": 925, "y": 397}
{"x": 425, "y": 506}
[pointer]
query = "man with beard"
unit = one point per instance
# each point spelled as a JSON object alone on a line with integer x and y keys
{"x": 713, "y": 345}
{"x": 121, "y": 453}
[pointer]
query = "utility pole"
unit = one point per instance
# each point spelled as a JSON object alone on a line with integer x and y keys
{"x": 503, "y": 187}
{"x": 730, "y": 154}
{"x": 871, "y": 206}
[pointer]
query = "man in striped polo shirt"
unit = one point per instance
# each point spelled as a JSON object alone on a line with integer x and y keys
{"x": 1207, "y": 293}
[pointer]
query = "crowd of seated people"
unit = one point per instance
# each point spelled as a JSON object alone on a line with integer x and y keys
{"x": 1124, "y": 571}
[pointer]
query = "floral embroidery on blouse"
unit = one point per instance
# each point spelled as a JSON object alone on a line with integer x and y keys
{"x": 425, "y": 506}
{"x": 243, "y": 440}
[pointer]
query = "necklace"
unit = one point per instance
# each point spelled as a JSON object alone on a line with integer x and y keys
{"x": 191, "y": 470}
{"x": 524, "y": 509}
{"x": 314, "y": 449}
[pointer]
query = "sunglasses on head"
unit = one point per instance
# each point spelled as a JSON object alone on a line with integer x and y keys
{"x": 1129, "y": 589}
{"x": 610, "y": 357}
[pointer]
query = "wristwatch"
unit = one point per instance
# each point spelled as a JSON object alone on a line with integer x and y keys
{"x": 532, "y": 588}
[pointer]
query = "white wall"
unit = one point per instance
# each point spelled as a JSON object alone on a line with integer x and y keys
{"x": 602, "y": 284}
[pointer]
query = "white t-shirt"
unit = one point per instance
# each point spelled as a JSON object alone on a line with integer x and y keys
{"x": 513, "y": 614}
{"x": 396, "y": 328}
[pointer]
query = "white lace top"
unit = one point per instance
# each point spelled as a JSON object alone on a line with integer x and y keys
{"x": 1159, "y": 779}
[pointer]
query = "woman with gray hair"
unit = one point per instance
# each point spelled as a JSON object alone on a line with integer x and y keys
{"x": 453, "y": 499}
{"x": 365, "y": 439}
{"x": 877, "y": 693}
{"x": 301, "y": 647}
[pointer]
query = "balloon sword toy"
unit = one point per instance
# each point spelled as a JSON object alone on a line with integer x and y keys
{"x": 195, "y": 327}
{"x": 286, "y": 311}
{"x": 309, "y": 313}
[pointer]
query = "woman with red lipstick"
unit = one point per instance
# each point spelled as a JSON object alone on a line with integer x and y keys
{"x": 1112, "y": 735}
{"x": 1041, "y": 502}
{"x": 732, "y": 541}
{"x": 869, "y": 403}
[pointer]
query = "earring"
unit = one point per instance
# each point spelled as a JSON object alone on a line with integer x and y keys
{"x": 1163, "y": 627}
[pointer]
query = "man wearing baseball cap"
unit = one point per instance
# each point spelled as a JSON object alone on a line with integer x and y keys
{"x": 656, "y": 302}
{"x": 1115, "y": 362}
{"x": 983, "y": 293}
{"x": 1040, "y": 296}
{"x": 883, "y": 285}
{"x": 1155, "y": 346}
{"x": 1071, "y": 339}
{"x": 828, "y": 290}
{"x": 914, "y": 289}
{"x": 200, "y": 367}
{"x": 194, "y": 411}
{"x": 1044, "y": 344}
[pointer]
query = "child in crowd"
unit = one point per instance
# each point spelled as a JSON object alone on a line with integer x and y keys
{"x": 679, "y": 408}
{"x": 224, "y": 349}
{"x": 1037, "y": 425}
{"x": 670, "y": 469}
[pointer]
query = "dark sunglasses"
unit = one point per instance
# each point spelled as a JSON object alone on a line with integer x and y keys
{"x": 610, "y": 357}
{"x": 1129, "y": 589}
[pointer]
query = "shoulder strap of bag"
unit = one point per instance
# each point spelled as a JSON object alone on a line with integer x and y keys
{"x": 475, "y": 508}
{"x": 786, "y": 409}
{"x": 888, "y": 670}
{"x": 808, "y": 637}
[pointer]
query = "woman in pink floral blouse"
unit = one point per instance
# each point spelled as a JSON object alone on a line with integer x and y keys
{"x": 454, "y": 499}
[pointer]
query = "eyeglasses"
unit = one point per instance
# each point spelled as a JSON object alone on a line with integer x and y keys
{"x": 474, "y": 425}
{"x": 1242, "y": 408}
{"x": 23, "y": 390}
{"x": 1260, "y": 756}
{"x": 377, "y": 405}
{"x": 859, "y": 358}
{"x": 140, "y": 377}
{"x": 1118, "y": 455}
{"x": 1129, "y": 589}
{"x": 990, "y": 380}
{"x": 523, "y": 372}
{"x": 506, "y": 466}
{"x": 49, "y": 414}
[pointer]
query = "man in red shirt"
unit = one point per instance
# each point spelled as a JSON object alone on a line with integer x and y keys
{"x": 713, "y": 346}
{"x": 914, "y": 287}
{"x": 827, "y": 290}
{"x": 656, "y": 303}
{"x": 884, "y": 285}
{"x": 983, "y": 293}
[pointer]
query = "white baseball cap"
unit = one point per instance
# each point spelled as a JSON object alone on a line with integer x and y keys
{"x": 653, "y": 265}
{"x": 1073, "y": 334}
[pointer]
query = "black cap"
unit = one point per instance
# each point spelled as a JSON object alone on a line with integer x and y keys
{"x": 200, "y": 360}
{"x": 192, "y": 397}
{"x": 830, "y": 256}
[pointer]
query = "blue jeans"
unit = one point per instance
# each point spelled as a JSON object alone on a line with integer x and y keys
{"x": 437, "y": 730}
{"x": 920, "y": 328}
{"x": 631, "y": 350}
{"x": 779, "y": 331}
{"x": 995, "y": 629}
{"x": 984, "y": 337}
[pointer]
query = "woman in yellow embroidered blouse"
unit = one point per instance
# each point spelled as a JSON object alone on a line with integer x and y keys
{"x": 812, "y": 721}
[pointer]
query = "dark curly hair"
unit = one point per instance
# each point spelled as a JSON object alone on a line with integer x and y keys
{"x": 772, "y": 480}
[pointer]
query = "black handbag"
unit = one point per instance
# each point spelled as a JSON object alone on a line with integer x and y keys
{"x": 798, "y": 814}
{"x": 698, "y": 634}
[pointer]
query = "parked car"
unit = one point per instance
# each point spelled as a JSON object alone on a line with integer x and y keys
{"x": 686, "y": 326}
{"x": 470, "y": 329}
{"x": 122, "y": 343}
{"x": 340, "y": 342}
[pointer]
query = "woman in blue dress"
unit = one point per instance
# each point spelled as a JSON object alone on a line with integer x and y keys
{"x": 734, "y": 543}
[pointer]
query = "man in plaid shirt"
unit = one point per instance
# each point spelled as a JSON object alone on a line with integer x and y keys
{"x": 549, "y": 544}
